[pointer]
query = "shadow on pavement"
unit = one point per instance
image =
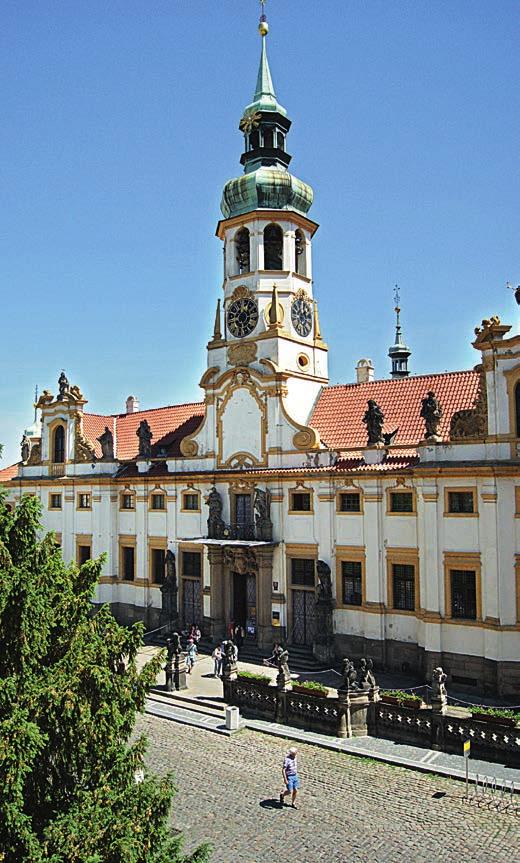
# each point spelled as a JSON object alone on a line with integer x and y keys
{"x": 271, "y": 803}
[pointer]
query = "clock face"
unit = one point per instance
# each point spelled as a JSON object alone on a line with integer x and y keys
{"x": 242, "y": 317}
{"x": 301, "y": 316}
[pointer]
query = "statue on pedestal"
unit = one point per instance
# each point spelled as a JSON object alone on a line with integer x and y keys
{"x": 63, "y": 387}
{"x": 439, "y": 696}
{"x": 25, "y": 448}
{"x": 145, "y": 435}
{"x": 262, "y": 507}
{"x": 175, "y": 667}
{"x": 349, "y": 673}
{"x": 323, "y": 647}
{"x": 374, "y": 421}
{"x": 215, "y": 522}
{"x": 107, "y": 444}
{"x": 431, "y": 413}
{"x": 169, "y": 593}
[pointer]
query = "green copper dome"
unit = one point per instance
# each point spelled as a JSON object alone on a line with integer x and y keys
{"x": 265, "y": 188}
{"x": 266, "y": 182}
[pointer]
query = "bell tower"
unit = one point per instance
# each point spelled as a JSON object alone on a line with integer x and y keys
{"x": 268, "y": 314}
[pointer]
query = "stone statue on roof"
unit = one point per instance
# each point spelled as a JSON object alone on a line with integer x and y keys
{"x": 107, "y": 444}
{"x": 374, "y": 420}
{"x": 26, "y": 448}
{"x": 431, "y": 412}
{"x": 63, "y": 387}
{"x": 144, "y": 433}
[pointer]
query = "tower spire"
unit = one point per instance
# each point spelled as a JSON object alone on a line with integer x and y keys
{"x": 399, "y": 352}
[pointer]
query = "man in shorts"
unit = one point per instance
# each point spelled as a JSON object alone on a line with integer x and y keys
{"x": 290, "y": 777}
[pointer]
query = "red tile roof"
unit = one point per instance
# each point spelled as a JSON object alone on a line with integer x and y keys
{"x": 338, "y": 415}
{"x": 9, "y": 472}
{"x": 169, "y": 425}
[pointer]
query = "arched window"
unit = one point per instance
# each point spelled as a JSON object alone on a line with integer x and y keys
{"x": 243, "y": 256}
{"x": 254, "y": 140}
{"x": 273, "y": 248}
{"x": 268, "y": 139}
{"x": 58, "y": 448}
{"x": 517, "y": 408}
{"x": 299, "y": 253}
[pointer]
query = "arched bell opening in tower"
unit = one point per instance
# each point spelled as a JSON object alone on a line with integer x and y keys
{"x": 273, "y": 248}
{"x": 243, "y": 254}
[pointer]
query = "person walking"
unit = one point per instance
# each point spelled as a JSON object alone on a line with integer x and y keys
{"x": 290, "y": 777}
{"x": 217, "y": 659}
{"x": 191, "y": 655}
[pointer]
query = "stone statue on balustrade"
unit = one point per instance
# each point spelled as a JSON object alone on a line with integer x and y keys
{"x": 145, "y": 435}
{"x": 229, "y": 661}
{"x": 374, "y": 420}
{"x": 262, "y": 507}
{"x": 431, "y": 413}
{"x": 216, "y": 524}
{"x": 439, "y": 694}
{"x": 169, "y": 593}
{"x": 365, "y": 674}
{"x": 281, "y": 660}
{"x": 349, "y": 673}
{"x": 107, "y": 445}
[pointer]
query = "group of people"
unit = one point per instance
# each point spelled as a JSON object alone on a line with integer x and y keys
{"x": 236, "y": 636}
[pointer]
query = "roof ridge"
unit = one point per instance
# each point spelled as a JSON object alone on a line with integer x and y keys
{"x": 400, "y": 380}
{"x": 145, "y": 410}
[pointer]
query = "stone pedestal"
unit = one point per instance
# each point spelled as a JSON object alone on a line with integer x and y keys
{"x": 439, "y": 705}
{"x": 374, "y": 454}
{"x": 179, "y": 674}
{"x": 353, "y": 712}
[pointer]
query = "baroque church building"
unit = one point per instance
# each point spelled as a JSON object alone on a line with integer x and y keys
{"x": 377, "y": 518}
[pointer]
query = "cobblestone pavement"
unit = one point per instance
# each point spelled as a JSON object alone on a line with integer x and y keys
{"x": 352, "y": 809}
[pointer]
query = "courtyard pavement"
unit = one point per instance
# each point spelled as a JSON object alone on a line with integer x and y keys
{"x": 352, "y": 810}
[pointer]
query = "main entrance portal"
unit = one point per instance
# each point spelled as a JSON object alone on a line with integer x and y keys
{"x": 244, "y": 603}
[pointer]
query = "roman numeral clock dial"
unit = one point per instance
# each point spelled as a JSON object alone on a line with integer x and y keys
{"x": 301, "y": 316}
{"x": 242, "y": 317}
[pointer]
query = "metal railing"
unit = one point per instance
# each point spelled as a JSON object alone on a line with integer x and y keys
{"x": 244, "y": 531}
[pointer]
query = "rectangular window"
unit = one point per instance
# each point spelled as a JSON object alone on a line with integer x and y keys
{"x": 350, "y": 501}
{"x": 55, "y": 501}
{"x": 158, "y": 501}
{"x": 403, "y": 575}
{"x": 84, "y": 501}
{"x": 351, "y": 573}
{"x": 401, "y": 501}
{"x": 84, "y": 554}
{"x": 191, "y": 563}
{"x": 461, "y": 502}
{"x": 302, "y": 572}
{"x": 190, "y": 501}
{"x": 127, "y": 501}
{"x": 300, "y": 501}
{"x": 463, "y": 594}
{"x": 158, "y": 555}
{"x": 128, "y": 561}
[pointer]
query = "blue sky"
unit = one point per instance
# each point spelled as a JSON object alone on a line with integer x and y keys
{"x": 119, "y": 129}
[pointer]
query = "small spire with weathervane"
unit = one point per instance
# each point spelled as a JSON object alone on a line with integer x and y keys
{"x": 399, "y": 352}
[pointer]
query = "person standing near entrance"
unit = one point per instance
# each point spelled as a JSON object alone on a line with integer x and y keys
{"x": 239, "y": 636}
{"x": 191, "y": 655}
{"x": 290, "y": 777}
{"x": 217, "y": 660}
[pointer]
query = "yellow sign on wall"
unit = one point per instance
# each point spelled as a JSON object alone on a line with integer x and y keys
{"x": 467, "y": 747}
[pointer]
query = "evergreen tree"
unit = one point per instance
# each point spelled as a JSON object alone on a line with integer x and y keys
{"x": 73, "y": 789}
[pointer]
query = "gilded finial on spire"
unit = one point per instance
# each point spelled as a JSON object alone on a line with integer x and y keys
{"x": 263, "y": 27}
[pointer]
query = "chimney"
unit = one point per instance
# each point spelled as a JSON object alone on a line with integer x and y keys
{"x": 364, "y": 371}
{"x": 132, "y": 405}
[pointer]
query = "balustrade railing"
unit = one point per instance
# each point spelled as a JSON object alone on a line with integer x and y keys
{"x": 57, "y": 469}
